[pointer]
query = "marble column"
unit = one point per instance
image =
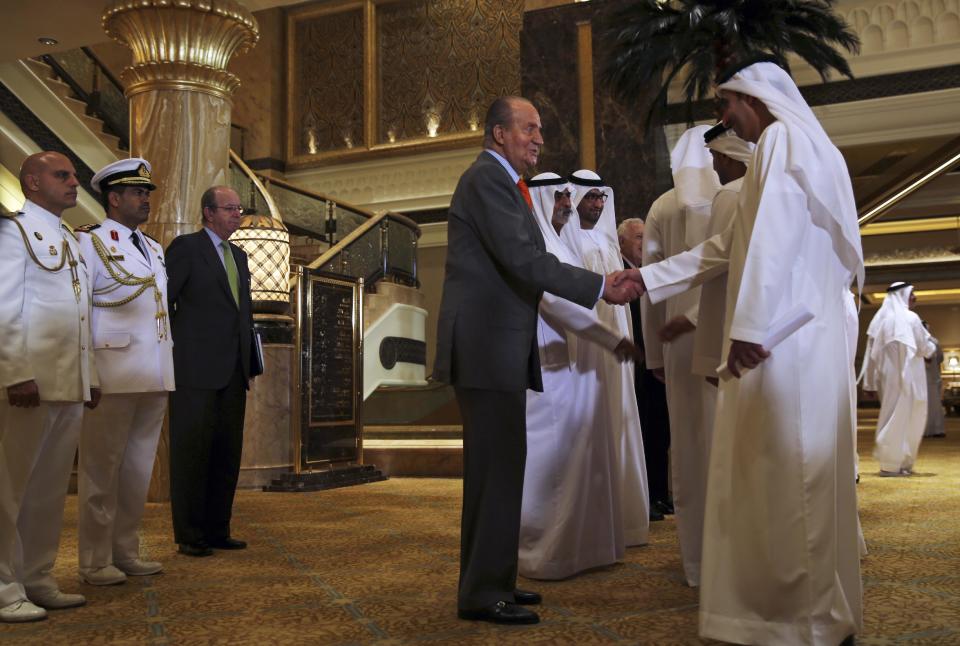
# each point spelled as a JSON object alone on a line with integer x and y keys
{"x": 180, "y": 96}
{"x": 180, "y": 101}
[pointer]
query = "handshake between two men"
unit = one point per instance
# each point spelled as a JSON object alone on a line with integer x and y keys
{"x": 621, "y": 287}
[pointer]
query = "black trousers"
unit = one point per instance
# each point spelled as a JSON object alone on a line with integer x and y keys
{"x": 206, "y": 439}
{"x": 655, "y": 428}
{"x": 494, "y": 457}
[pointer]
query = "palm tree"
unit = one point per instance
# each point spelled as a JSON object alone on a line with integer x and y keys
{"x": 653, "y": 40}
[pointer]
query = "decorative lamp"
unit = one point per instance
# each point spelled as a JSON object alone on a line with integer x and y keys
{"x": 266, "y": 242}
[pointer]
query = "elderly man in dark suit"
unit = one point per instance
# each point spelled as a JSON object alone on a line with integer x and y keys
{"x": 497, "y": 268}
{"x": 209, "y": 296}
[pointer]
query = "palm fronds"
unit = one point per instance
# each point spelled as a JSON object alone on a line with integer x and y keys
{"x": 653, "y": 41}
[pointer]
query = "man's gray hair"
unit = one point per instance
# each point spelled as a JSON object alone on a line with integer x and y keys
{"x": 626, "y": 224}
{"x": 500, "y": 113}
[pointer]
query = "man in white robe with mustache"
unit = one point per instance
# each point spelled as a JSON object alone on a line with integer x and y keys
{"x": 780, "y": 561}
{"x": 570, "y": 518}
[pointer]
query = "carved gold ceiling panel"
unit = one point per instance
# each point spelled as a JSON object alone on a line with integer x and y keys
{"x": 441, "y": 63}
{"x": 369, "y": 77}
{"x": 327, "y": 68}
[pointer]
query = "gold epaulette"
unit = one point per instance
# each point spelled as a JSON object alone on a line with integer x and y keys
{"x": 86, "y": 228}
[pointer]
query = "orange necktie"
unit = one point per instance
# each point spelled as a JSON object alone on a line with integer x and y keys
{"x": 525, "y": 192}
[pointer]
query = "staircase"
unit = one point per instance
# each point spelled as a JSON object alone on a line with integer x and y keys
{"x": 65, "y": 93}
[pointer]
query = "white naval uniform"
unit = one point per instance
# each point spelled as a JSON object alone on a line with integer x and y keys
{"x": 45, "y": 327}
{"x": 118, "y": 442}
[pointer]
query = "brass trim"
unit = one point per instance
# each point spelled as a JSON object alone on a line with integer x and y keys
{"x": 450, "y": 141}
{"x": 588, "y": 142}
{"x": 910, "y": 188}
{"x": 926, "y": 296}
{"x": 914, "y": 225}
{"x": 371, "y": 115}
{"x": 274, "y": 211}
{"x": 298, "y": 279}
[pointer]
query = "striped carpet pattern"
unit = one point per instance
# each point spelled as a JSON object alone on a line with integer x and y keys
{"x": 377, "y": 564}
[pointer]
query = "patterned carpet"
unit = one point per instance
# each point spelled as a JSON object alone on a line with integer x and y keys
{"x": 377, "y": 564}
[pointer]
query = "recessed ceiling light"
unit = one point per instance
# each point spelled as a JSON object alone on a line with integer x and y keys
{"x": 50, "y": 42}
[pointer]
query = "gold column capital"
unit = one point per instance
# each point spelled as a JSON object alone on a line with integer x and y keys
{"x": 181, "y": 44}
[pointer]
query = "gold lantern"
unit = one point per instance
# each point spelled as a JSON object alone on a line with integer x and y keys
{"x": 266, "y": 242}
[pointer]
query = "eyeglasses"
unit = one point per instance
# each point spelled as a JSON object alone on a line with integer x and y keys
{"x": 231, "y": 207}
{"x": 596, "y": 197}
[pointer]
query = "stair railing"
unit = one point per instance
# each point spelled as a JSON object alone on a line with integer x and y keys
{"x": 96, "y": 86}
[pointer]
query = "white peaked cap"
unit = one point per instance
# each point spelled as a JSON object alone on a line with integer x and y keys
{"x": 134, "y": 171}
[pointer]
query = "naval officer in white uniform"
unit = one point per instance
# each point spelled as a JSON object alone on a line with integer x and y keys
{"x": 134, "y": 352}
{"x": 47, "y": 372}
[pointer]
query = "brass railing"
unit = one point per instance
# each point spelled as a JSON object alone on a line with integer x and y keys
{"x": 932, "y": 167}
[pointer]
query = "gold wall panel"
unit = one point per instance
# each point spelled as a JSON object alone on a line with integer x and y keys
{"x": 371, "y": 77}
{"x": 328, "y": 82}
{"x": 442, "y": 62}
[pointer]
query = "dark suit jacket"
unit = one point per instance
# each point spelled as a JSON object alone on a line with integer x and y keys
{"x": 209, "y": 330}
{"x": 497, "y": 268}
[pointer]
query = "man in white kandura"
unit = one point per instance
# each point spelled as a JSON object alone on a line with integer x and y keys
{"x": 677, "y": 221}
{"x": 893, "y": 366}
{"x": 731, "y": 154}
{"x": 780, "y": 559}
{"x": 571, "y": 516}
{"x": 593, "y": 230}
{"x": 48, "y": 371}
{"x": 131, "y": 339}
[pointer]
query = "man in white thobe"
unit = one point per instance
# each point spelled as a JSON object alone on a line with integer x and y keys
{"x": 47, "y": 371}
{"x": 570, "y": 518}
{"x": 131, "y": 340}
{"x": 731, "y": 154}
{"x": 780, "y": 561}
{"x": 593, "y": 230}
{"x": 676, "y": 222}
{"x": 893, "y": 366}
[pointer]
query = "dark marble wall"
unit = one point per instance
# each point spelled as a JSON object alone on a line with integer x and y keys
{"x": 633, "y": 160}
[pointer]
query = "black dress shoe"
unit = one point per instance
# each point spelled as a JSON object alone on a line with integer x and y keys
{"x": 655, "y": 515}
{"x": 228, "y": 544}
{"x": 501, "y": 613}
{"x": 526, "y": 598}
{"x": 195, "y": 549}
{"x": 665, "y": 507}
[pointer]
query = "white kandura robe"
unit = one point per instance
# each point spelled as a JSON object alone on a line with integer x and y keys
{"x": 935, "y": 421}
{"x": 621, "y": 396}
{"x": 853, "y": 333}
{"x": 780, "y": 559}
{"x": 896, "y": 371}
{"x": 570, "y": 518}
{"x": 708, "y": 337}
{"x": 690, "y": 399}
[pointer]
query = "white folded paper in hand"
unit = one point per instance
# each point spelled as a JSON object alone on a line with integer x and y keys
{"x": 783, "y": 327}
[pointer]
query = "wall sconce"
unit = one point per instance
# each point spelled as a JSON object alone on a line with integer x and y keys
{"x": 267, "y": 245}
{"x": 953, "y": 363}
{"x": 312, "y": 141}
{"x": 433, "y": 124}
